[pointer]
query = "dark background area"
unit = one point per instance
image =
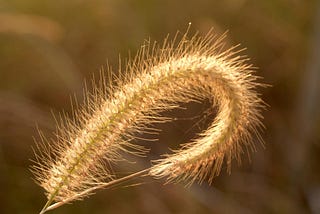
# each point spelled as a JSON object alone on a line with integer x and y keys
{"x": 48, "y": 48}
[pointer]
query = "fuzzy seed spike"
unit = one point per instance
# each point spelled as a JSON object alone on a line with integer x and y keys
{"x": 159, "y": 78}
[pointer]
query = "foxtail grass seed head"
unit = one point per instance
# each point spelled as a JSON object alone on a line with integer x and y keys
{"x": 158, "y": 79}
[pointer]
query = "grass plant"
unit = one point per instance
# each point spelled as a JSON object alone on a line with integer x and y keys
{"x": 160, "y": 77}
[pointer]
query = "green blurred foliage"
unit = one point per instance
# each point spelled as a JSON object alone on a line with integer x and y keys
{"x": 48, "y": 48}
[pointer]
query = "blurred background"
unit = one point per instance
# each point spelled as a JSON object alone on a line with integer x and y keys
{"x": 48, "y": 49}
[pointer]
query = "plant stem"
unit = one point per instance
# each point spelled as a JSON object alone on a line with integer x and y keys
{"x": 48, "y": 206}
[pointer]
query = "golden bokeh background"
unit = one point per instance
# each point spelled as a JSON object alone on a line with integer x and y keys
{"x": 48, "y": 48}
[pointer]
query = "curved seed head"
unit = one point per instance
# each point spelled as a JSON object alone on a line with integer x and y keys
{"x": 158, "y": 79}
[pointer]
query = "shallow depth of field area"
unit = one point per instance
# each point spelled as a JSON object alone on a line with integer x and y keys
{"x": 48, "y": 49}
